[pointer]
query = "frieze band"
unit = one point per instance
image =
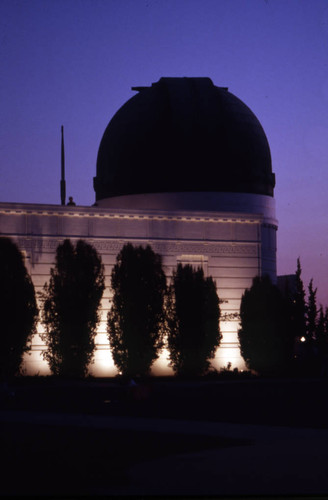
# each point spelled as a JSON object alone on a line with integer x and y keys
{"x": 46, "y": 244}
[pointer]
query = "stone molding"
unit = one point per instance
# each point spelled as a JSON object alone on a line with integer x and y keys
{"x": 162, "y": 247}
{"x": 92, "y": 212}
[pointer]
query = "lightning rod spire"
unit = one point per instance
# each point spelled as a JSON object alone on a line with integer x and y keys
{"x": 62, "y": 181}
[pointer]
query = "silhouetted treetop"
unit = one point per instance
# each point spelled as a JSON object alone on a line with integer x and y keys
{"x": 266, "y": 338}
{"x": 71, "y": 303}
{"x": 18, "y": 309}
{"x": 136, "y": 316}
{"x": 193, "y": 314}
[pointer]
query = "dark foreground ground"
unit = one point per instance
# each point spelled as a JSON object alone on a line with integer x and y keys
{"x": 288, "y": 402}
{"x": 46, "y": 459}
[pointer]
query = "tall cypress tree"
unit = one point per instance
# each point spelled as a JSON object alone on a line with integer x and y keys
{"x": 299, "y": 306}
{"x": 322, "y": 339}
{"x": 265, "y": 337}
{"x": 18, "y": 309}
{"x": 193, "y": 314}
{"x": 136, "y": 316}
{"x": 311, "y": 313}
{"x": 70, "y": 304}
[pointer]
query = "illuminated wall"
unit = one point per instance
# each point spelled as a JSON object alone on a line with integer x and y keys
{"x": 232, "y": 246}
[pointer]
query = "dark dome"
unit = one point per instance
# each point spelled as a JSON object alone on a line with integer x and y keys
{"x": 183, "y": 135}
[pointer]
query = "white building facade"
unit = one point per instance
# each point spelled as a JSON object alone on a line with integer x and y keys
{"x": 225, "y": 224}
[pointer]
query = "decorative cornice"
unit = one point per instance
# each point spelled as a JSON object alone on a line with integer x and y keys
{"x": 162, "y": 247}
{"x": 95, "y": 212}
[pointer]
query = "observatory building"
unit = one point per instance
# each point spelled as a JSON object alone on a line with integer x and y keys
{"x": 185, "y": 167}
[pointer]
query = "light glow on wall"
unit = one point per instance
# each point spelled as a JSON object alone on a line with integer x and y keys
{"x": 103, "y": 365}
{"x": 33, "y": 362}
{"x": 228, "y": 354}
{"x": 161, "y": 365}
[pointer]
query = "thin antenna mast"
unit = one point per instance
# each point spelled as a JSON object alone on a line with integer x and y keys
{"x": 62, "y": 181}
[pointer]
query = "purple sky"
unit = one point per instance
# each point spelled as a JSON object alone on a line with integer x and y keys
{"x": 73, "y": 62}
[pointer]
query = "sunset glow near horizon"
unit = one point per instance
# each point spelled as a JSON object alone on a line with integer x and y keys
{"x": 73, "y": 63}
